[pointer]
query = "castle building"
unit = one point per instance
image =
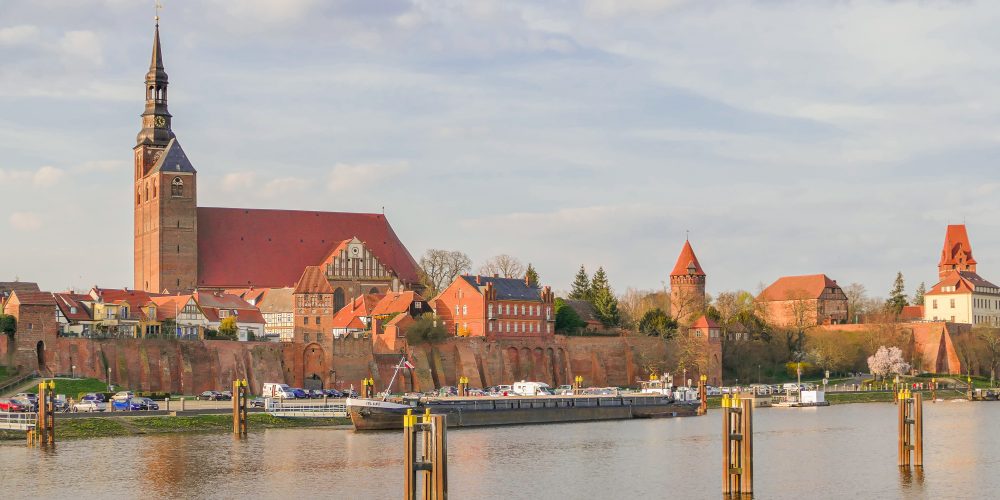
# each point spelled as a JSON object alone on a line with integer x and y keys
{"x": 182, "y": 246}
{"x": 961, "y": 295}
{"x": 804, "y": 301}
{"x": 687, "y": 287}
{"x": 708, "y": 332}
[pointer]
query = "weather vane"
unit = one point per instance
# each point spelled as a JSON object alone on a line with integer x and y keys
{"x": 157, "y": 6}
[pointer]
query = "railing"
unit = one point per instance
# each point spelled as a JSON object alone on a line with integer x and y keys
{"x": 11, "y": 383}
{"x": 18, "y": 421}
{"x": 313, "y": 409}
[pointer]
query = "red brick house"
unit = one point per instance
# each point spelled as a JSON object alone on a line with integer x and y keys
{"x": 495, "y": 307}
{"x": 705, "y": 330}
{"x": 37, "y": 328}
{"x": 802, "y": 301}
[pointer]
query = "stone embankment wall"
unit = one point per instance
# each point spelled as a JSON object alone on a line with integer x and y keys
{"x": 190, "y": 367}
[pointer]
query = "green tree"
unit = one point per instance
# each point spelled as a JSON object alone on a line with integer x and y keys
{"x": 897, "y": 296}
{"x": 426, "y": 328}
{"x": 531, "y": 275}
{"x": 918, "y": 296}
{"x": 568, "y": 322}
{"x": 657, "y": 323}
{"x": 8, "y": 324}
{"x": 581, "y": 286}
{"x": 598, "y": 282}
{"x": 227, "y": 327}
{"x": 606, "y": 307}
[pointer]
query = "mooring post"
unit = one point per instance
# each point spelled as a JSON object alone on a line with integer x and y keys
{"x": 933, "y": 390}
{"x": 409, "y": 455}
{"x": 746, "y": 432}
{"x": 463, "y": 386}
{"x": 240, "y": 389}
{"x": 968, "y": 381}
{"x": 439, "y": 426}
{"x": 426, "y": 454}
{"x": 918, "y": 430}
{"x": 702, "y": 395}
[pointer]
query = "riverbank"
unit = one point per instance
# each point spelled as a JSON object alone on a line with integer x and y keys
{"x": 82, "y": 428}
{"x": 839, "y": 398}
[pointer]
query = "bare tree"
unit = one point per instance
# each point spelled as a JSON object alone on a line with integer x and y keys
{"x": 990, "y": 338}
{"x": 855, "y": 298}
{"x": 503, "y": 265}
{"x": 440, "y": 267}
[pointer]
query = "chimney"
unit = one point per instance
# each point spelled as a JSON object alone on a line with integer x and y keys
{"x": 527, "y": 282}
{"x": 496, "y": 275}
{"x": 376, "y": 326}
{"x": 479, "y": 280}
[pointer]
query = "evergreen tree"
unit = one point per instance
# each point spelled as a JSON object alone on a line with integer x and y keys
{"x": 656, "y": 323}
{"x": 568, "y": 322}
{"x": 897, "y": 296}
{"x": 531, "y": 275}
{"x": 918, "y": 296}
{"x": 606, "y": 307}
{"x": 598, "y": 283}
{"x": 581, "y": 286}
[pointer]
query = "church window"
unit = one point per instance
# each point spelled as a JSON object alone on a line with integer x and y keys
{"x": 178, "y": 249}
{"x": 338, "y": 299}
{"x": 317, "y": 320}
{"x": 305, "y": 320}
{"x": 177, "y": 187}
{"x": 138, "y": 196}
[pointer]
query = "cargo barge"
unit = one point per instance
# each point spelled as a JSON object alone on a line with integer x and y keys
{"x": 378, "y": 414}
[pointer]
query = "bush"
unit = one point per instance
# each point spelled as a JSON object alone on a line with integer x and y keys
{"x": 567, "y": 320}
{"x": 808, "y": 369}
{"x": 656, "y": 323}
{"x": 426, "y": 328}
{"x": 8, "y": 324}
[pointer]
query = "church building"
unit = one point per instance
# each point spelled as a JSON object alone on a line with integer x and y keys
{"x": 961, "y": 295}
{"x": 180, "y": 246}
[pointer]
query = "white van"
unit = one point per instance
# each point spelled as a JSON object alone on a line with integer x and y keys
{"x": 523, "y": 388}
{"x": 274, "y": 390}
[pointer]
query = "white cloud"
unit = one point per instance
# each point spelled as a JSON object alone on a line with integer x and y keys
{"x": 18, "y": 35}
{"x": 283, "y": 186}
{"x": 81, "y": 47}
{"x": 25, "y": 221}
{"x": 47, "y": 176}
{"x": 238, "y": 181}
{"x": 102, "y": 166}
{"x": 345, "y": 177}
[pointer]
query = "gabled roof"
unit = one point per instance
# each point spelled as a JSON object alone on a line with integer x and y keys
{"x": 687, "y": 262}
{"x": 168, "y": 306}
{"x": 173, "y": 159}
{"x": 270, "y": 248}
{"x": 135, "y": 298}
{"x": 351, "y": 314}
{"x": 585, "y": 310}
{"x": 277, "y": 300}
{"x": 13, "y": 286}
{"x": 211, "y": 303}
{"x": 395, "y": 302}
{"x": 963, "y": 282}
{"x": 810, "y": 286}
{"x": 313, "y": 281}
{"x": 506, "y": 288}
{"x": 70, "y": 302}
{"x": 704, "y": 322}
{"x": 32, "y": 298}
{"x": 912, "y": 313}
{"x": 957, "y": 249}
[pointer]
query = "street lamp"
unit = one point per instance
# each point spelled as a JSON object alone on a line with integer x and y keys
{"x": 109, "y": 379}
{"x": 72, "y": 371}
{"x": 758, "y": 374}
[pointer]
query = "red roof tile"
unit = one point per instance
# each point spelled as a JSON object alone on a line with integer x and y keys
{"x": 33, "y": 298}
{"x": 270, "y": 248}
{"x": 360, "y": 307}
{"x": 168, "y": 306}
{"x": 704, "y": 322}
{"x": 211, "y": 303}
{"x": 395, "y": 302}
{"x": 910, "y": 313}
{"x": 687, "y": 261}
{"x": 809, "y": 286}
{"x": 68, "y": 302}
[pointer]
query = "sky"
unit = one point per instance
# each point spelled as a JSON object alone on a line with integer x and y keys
{"x": 787, "y": 137}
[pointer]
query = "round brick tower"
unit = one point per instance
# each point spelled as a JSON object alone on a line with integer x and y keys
{"x": 687, "y": 287}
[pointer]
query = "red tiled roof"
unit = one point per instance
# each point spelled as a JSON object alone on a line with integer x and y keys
{"x": 360, "y": 307}
{"x": 211, "y": 303}
{"x": 912, "y": 313}
{"x": 685, "y": 260}
{"x": 395, "y": 302}
{"x": 135, "y": 298}
{"x": 963, "y": 281}
{"x": 313, "y": 281}
{"x": 704, "y": 322}
{"x": 168, "y": 306}
{"x": 270, "y": 248}
{"x": 956, "y": 247}
{"x": 26, "y": 297}
{"x": 809, "y": 286}
{"x": 67, "y": 301}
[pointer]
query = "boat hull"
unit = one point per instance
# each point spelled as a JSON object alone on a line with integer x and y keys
{"x": 480, "y": 412}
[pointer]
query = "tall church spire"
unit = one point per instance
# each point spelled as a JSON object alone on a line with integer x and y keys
{"x": 155, "y": 118}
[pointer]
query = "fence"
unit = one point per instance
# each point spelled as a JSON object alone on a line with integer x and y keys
{"x": 324, "y": 409}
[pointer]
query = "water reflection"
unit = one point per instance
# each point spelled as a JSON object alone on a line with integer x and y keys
{"x": 838, "y": 452}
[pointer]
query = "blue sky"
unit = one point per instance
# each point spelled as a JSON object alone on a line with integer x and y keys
{"x": 788, "y": 137}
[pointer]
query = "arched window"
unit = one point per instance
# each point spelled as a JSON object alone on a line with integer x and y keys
{"x": 138, "y": 196}
{"x": 177, "y": 187}
{"x": 338, "y": 299}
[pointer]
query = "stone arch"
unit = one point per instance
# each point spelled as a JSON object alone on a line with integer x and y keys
{"x": 552, "y": 367}
{"x": 177, "y": 187}
{"x": 524, "y": 368}
{"x": 338, "y": 299}
{"x": 314, "y": 367}
{"x": 513, "y": 362}
{"x": 538, "y": 365}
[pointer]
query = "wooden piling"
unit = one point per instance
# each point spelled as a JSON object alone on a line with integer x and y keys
{"x": 746, "y": 462}
{"x": 737, "y": 446}
{"x": 410, "y": 455}
{"x": 430, "y": 460}
{"x": 918, "y": 430}
{"x": 702, "y": 395}
{"x": 240, "y": 404}
{"x": 44, "y": 432}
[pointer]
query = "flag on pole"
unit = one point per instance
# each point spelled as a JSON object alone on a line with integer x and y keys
{"x": 408, "y": 365}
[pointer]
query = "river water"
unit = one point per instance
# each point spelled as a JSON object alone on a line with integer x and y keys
{"x": 845, "y": 451}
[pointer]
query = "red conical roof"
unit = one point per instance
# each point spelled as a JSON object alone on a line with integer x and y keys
{"x": 956, "y": 243}
{"x": 687, "y": 263}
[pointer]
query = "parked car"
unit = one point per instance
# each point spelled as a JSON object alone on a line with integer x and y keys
{"x": 299, "y": 393}
{"x": 317, "y": 394}
{"x": 350, "y": 393}
{"x": 89, "y": 405}
{"x": 148, "y": 404}
{"x": 60, "y": 403}
{"x": 712, "y": 391}
{"x": 333, "y": 393}
{"x": 30, "y": 396}
{"x": 210, "y": 396}
{"x": 12, "y": 405}
{"x": 257, "y": 403}
{"x": 448, "y": 390}
{"x": 564, "y": 390}
{"x": 93, "y": 396}
{"x": 276, "y": 390}
{"x": 226, "y": 395}
{"x": 475, "y": 392}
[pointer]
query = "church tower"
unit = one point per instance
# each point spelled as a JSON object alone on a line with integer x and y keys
{"x": 687, "y": 287}
{"x": 957, "y": 252}
{"x": 166, "y": 219}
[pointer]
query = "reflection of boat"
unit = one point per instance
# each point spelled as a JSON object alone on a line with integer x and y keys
{"x": 371, "y": 414}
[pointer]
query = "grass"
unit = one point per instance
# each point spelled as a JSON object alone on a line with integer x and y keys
{"x": 4, "y": 372}
{"x": 74, "y": 387}
{"x": 80, "y": 428}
